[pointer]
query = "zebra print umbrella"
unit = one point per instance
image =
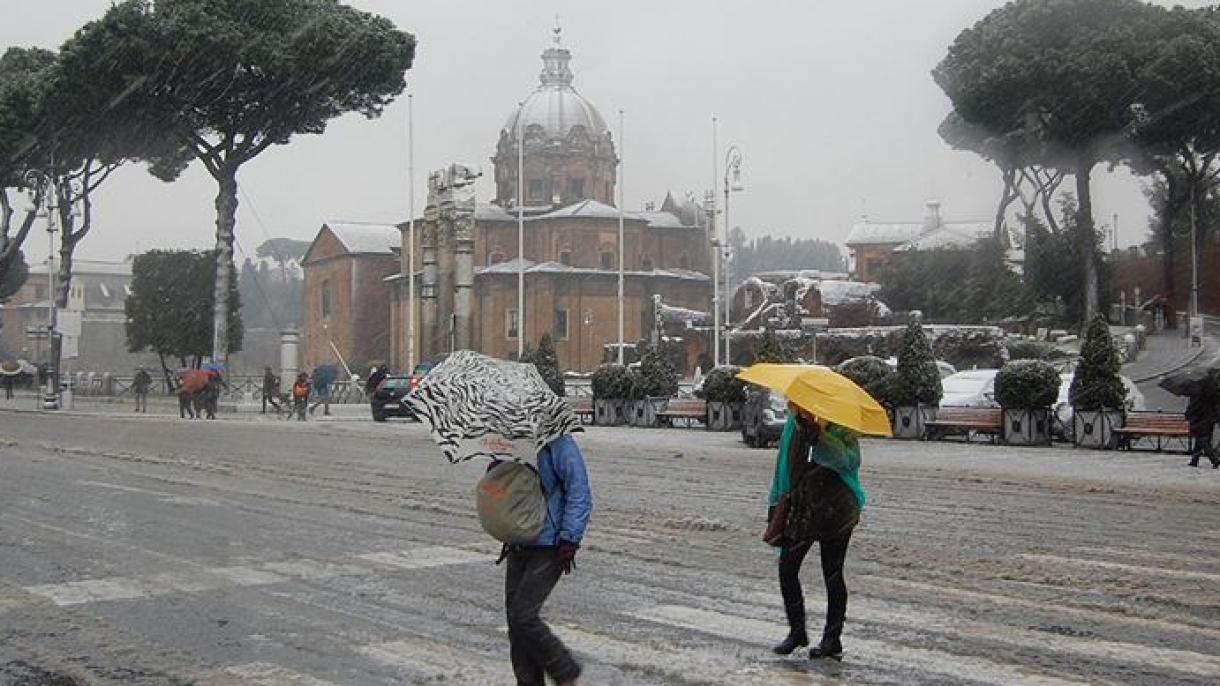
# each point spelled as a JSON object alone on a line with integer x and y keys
{"x": 479, "y": 406}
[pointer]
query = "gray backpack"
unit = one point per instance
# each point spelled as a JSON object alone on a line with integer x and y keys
{"x": 511, "y": 504}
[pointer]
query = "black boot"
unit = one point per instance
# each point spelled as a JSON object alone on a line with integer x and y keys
{"x": 797, "y": 637}
{"x": 1194, "y": 460}
{"x": 828, "y": 648}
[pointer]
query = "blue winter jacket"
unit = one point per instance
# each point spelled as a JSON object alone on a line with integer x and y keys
{"x": 561, "y": 469}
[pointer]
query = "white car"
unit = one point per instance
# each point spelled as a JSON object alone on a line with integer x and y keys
{"x": 971, "y": 388}
{"x": 1063, "y": 409}
{"x": 943, "y": 368}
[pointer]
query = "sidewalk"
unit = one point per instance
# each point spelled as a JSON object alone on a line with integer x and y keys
{"x": 1166, "y": 352}
{"x": 166, "y": 407}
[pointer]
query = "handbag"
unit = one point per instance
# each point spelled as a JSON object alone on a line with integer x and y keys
{"x": 774, "y": 535}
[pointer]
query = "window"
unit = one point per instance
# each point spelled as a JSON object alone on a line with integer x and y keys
{"x": 565, "y": 257}
{"x": 608, "y": 259}
{"x": 874, "y": 266}
{"x": 536, "y": 191}
{"x": 326, "y": 298}
{"x": 646, "y": 264}
{"x": 495, "y": 258}
{"x": 560, "y": 328}
{"x": 510, "y": 324}
{"x": 684, "y": 261}
{"x": 576, "y": 188}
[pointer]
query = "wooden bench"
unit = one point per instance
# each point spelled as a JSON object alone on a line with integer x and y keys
{"x": 1161, "y": 426}
{"x": 582, "y": 407}
{"x": 965, "y": 421}
{"x": 685, "y": 410}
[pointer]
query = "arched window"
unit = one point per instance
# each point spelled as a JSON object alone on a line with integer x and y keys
{"x": 646, "y": 264}
{"x": 684, "y": 261}
{"x": 608, "y": 259}
{"x": 565, "y": 257}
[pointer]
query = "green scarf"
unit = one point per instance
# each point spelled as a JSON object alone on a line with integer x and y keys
{"x": 837, "y": 449}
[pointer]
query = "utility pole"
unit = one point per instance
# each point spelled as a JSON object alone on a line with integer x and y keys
{"x": 411, "y": 234}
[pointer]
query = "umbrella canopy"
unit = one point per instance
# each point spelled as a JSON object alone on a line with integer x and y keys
{"x": 823, "y": 392}
{"x": 483, "y": 407}
{"x": 1195, "y": 380}
{"x": 10, "y": 368}
{"x": 193, "y": 380}
{"x": 325, "y": 375}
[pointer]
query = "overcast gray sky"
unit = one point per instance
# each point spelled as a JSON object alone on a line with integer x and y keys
{"x": 831, "y": 102}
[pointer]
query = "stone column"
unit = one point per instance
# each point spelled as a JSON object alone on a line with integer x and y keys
{"x": 428, "y": 289}
{"x": 290, "y": 358}
{"x": 463, "y": 286}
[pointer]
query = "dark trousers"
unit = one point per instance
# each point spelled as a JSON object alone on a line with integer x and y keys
{"x": 269, "y": 399}
{"x": 833, "y": 554}
{"x": 536, "y": 652}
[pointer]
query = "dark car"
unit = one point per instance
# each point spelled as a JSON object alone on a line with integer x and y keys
{"x": 763, "y": 417}
{"x": 387, "y": 398}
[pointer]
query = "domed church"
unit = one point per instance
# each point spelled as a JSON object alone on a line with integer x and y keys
{"x": 466, "y": 255}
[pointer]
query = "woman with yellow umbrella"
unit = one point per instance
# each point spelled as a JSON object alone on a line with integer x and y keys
{"x": 815, "y": 493}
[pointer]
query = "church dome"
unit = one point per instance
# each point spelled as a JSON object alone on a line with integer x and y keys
{"x": 555, "y": 106}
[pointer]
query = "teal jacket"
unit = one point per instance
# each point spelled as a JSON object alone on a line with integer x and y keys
{"x": 837, "y": 449}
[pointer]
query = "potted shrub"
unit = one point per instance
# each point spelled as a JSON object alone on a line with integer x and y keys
{"x": 1026, "y": 390}
{"x": 725, "y": 395}
{"x": 652, "y": 386}
{"x": 915, "y": 391}
{"x": 546, "y": 361}
{"x": 1097, "y": 394}
{"x": 869, "y": 372}
{"x": 611, "y": 388}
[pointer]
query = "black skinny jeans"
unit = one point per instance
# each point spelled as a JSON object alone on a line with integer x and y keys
{"x": 535, "y": 650}
{"x": 833, "y": 554}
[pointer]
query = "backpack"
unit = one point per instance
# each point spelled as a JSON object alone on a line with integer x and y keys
{"x": 510, "y": 502}
{"x": 822, "y": 507}
{"x": 300, "y": 390}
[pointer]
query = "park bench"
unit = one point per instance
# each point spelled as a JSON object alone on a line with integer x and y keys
{"x": 1163, "y": 427}
{"x": 966, "y": 421}
{"x": 582, "y": 407}
{"x": 685, "y": 410}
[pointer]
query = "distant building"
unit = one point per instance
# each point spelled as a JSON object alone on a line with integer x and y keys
{"x": 96, "y": 309}
{"x": 347, "y": 298}
{"x": 872, "y": 244}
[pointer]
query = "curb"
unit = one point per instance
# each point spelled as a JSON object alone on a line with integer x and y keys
{"x": 1179, "y": 365}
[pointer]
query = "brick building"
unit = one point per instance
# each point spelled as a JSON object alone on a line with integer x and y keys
{"x": 466, "y": 255}
{"x": 346, "y": 293}
{"x": 871, "y": 244}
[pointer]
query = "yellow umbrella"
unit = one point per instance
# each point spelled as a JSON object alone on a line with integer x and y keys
{"x": 823, "y": 392}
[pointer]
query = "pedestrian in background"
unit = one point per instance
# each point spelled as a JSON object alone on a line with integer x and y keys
{"x": 139, "y": 388}
{"x": 534, "y": 570}
{"x": 815, "y": 497}
{"x": 322, "y": 388}
{"x": 271, "y": 390}
{"x": 1201, "y": 413}
{"x": 300, "y": 395}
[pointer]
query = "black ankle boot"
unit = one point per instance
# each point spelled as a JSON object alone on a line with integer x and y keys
{"x": 1194, "y": 461}
{"x": 828, "y": 648}
{"x": 797, "y": 638}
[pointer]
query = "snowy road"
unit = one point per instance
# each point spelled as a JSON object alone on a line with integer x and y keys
{"x": 152, "y": 551}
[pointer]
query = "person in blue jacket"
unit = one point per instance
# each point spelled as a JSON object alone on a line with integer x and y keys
{"x": 533, "y": 570}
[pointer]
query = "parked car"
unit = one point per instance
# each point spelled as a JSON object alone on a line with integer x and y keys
{"x": 943, "y": 368}
{"x": 971, "y": 388}
{"x": 1063, "y": 409}
{"x": 387, "y": 398}
{"x": 763, "y": 417}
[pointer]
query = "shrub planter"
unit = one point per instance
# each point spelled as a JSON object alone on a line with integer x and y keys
{"x": 734, "y": 412}
{"x": 608, "y": 412}
{"x": 718, "y": 416}
{"x": 1095, "y": 428}
{"x": 909, "y": 421}
{"x": 646, "y": 411}
{"x": 1027, "y": 427}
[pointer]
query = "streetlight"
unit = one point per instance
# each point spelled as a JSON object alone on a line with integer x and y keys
{"x": 709, "y": 202}
{"x": 520, "y": 231}
{"x": 411, "y": 234}
{"x": 621, "y": 247}
{"x": 732, "y": 184}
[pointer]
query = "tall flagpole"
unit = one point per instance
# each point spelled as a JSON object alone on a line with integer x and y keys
{"x": 621, "y": 244}
{"x": 520, "y": 233}
{"x": 411, "y": 234}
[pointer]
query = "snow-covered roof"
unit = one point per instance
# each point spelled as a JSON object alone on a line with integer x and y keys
{"x": 358, "y": 237}
{"x": 672, "y": 314}
{"x": 486, "y": 212}
{"x": 514, "y": 265}
{"x": 781, "y": 275}
{"x": 586, "y": 208}
{"x": 662, "y": 220}
{"x": 868, "y": 233}
{"x": 950, "y": 235}
{"x": 90, "y": 267}
{"x": 836, "y": 293}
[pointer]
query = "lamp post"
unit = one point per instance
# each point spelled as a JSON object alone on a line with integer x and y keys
{"x": 710, "y": 205}
{"x": 732, "y": 183}
{"x": 621, "y": 246}
{"x": 520, "y": 232}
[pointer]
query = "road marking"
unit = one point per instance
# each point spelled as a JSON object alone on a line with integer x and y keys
{"x": 268, "y": 674}
{"x": 684, "y": 664}
{"x": 436, "y": 661}
{"x": 214, "y": 578}
{"x": 873, "y": 652}
{"x": 422, "y": 558}
{"x": 1120, "y": 566}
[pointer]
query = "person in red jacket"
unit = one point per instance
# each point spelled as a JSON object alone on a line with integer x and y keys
{"x": 300, "y": 395}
